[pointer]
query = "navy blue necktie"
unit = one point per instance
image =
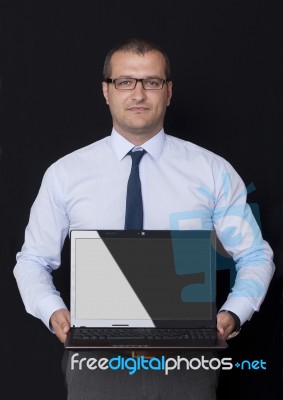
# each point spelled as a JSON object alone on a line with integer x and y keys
{"x": 134, "y": 208}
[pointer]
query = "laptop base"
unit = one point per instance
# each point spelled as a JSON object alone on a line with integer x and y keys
{"x": 72, "y": 343}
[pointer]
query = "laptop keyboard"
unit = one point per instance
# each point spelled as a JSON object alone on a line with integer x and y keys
{"x": 144, "y": 333}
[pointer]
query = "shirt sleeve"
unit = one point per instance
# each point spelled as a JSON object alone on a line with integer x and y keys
{"x": 41, "y": 253}
{"x": 241, "y": 237}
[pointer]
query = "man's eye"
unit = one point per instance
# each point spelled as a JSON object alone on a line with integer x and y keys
{"x": 124, "y": 83}
{"x": 152, "y": 83}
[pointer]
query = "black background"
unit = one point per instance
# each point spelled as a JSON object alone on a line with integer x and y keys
{"x": 227, "y": 74}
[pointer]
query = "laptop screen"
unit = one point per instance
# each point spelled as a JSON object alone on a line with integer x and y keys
{"x": 142, "y": 278}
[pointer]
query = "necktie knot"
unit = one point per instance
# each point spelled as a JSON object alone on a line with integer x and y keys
{"x": 136, "y": 156}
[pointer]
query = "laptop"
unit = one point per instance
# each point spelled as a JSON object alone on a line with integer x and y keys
{"x": 149, "y": 289}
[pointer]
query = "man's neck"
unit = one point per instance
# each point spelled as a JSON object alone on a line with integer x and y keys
{"x": 136, "y": 138}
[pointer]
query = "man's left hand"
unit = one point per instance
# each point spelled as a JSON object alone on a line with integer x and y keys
{"x": 225, "y": 325}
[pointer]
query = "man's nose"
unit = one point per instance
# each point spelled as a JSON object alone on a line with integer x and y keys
{"x": 139, "y": 91}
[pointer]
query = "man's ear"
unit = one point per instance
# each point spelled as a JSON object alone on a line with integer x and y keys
{"x": 105, "y": 91}
{"x": 169, "y": 96}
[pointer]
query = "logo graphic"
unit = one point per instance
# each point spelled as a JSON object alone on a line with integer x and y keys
{"x": 231, "y": 221}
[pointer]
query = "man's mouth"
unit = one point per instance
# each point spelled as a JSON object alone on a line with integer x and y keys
{"x": 138, "y": 109}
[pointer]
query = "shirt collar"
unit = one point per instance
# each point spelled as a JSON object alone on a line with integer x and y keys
{"x": 153, "y": 146}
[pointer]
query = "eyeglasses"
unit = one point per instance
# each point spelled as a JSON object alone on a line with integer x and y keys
{"x": 131, "y": 83}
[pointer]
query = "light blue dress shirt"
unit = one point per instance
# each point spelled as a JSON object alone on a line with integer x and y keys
{"x": 183, "y": 187}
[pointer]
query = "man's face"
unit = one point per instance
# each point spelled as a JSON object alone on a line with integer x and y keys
{"x": 137, "y": 113}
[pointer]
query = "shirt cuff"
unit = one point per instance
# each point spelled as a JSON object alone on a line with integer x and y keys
{"x": 239, "y": 306}
{"x": 47, "y": 306}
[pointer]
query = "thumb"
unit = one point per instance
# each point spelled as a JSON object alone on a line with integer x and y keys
{"x": 220, "y": 329}
{"x": 66, "y": 327}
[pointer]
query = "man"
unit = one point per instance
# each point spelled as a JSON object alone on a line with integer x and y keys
{"x": 179, "y": 182}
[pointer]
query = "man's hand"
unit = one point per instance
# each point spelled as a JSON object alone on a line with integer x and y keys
{"x": 225, "y": 325}
{"x": 60, "y": 321}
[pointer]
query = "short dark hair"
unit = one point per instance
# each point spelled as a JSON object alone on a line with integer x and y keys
{"x": 136, "y": 46}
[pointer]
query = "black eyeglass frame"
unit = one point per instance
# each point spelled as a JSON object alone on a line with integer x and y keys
{"x": 109, "y": 80}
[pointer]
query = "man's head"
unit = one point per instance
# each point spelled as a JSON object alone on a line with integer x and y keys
{"x": 137, "y": 105}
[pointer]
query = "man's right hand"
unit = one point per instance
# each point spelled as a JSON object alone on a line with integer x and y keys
{"x": 60, "y": 321}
